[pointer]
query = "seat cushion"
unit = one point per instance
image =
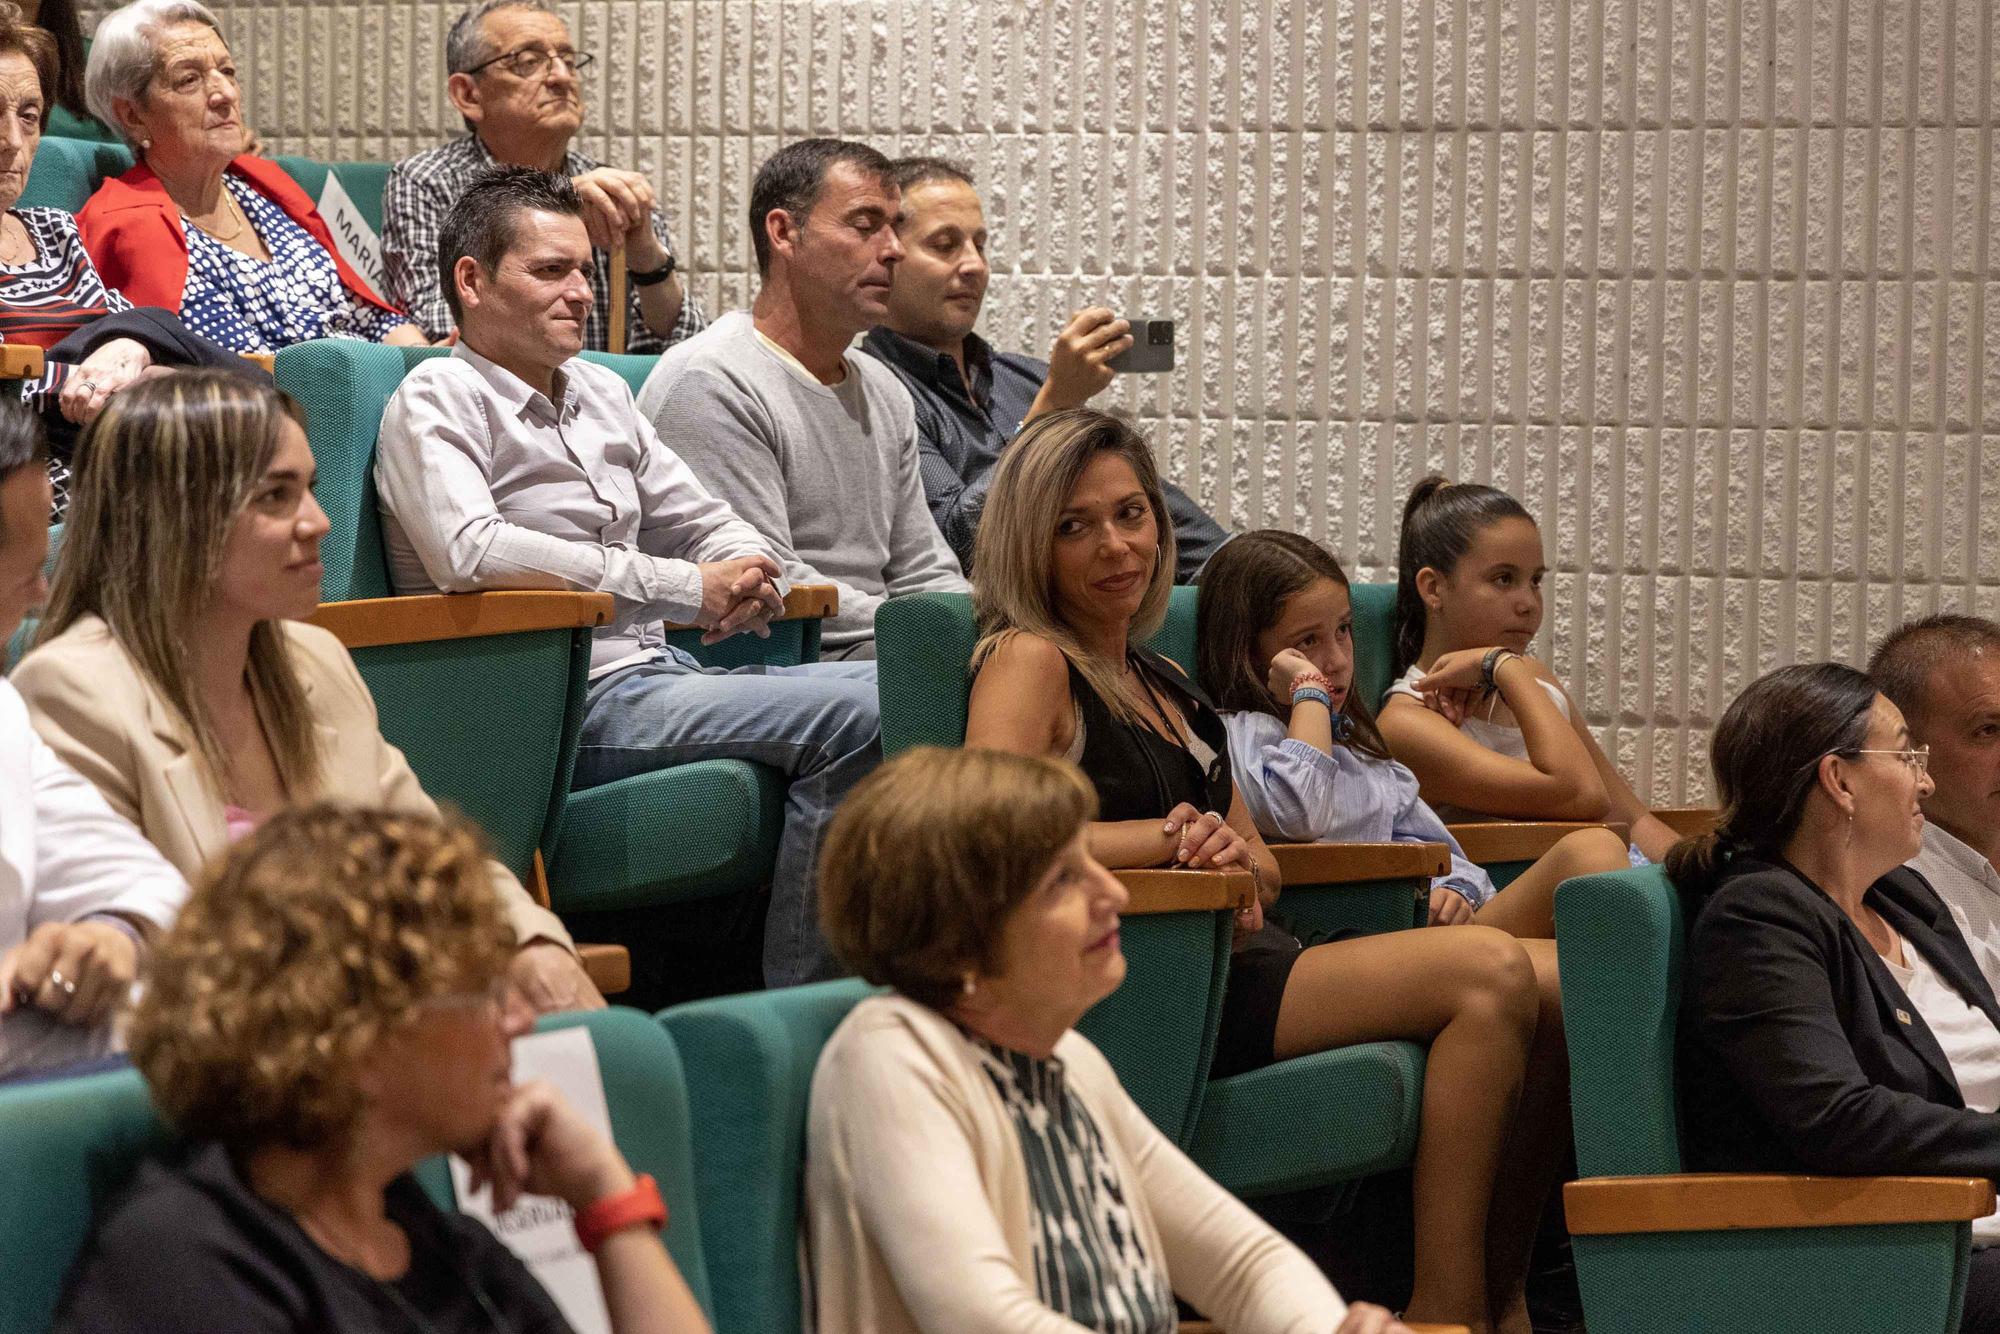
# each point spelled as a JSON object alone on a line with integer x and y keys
{"x": 693, "y": 831}
{"x": 1313, "y": 1120}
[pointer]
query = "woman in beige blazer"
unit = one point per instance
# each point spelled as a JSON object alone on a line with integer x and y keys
{"x": 172, "y": 670}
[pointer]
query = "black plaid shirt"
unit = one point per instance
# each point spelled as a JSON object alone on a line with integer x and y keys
{"x": 421, "y": 191}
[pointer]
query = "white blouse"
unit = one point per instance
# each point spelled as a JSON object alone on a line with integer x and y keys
{"x": 1971, "y": 1045}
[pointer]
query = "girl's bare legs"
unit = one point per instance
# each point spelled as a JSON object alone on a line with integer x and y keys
{"x": 1526, "y": 909}
{"x": 1470, "y": 992}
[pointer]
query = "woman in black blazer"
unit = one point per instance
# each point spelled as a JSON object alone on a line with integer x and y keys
{"x": 1800, "y": 1048}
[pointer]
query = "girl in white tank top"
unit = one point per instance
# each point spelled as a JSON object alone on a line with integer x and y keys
{"x": 1488, "y": 731}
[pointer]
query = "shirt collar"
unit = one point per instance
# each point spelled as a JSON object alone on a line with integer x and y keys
{"x": 932, "y": 368}
{"x": 518, "y": 394}
{"x": 1959, "y": 855}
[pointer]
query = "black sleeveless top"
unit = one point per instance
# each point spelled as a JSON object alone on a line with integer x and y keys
{"x": 1138, "y": 773}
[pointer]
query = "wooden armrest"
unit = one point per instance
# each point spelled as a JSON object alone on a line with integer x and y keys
{"x": 609, "y": 966}
{"x": 1714, "y": 1202}
{"x": 806, "y": 602}
{"x": 1688, "y": 820}
{"x": 268, "y": 360}
{"x": 21, "y": 361}
{"x": 420, "y": 619}
{"x": 1516, "y": 840}
{"x": 1348, "y": 863}
{"x": 1155, "y": 890}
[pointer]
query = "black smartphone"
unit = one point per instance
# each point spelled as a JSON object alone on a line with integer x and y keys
{"x": 1152, "y": 348}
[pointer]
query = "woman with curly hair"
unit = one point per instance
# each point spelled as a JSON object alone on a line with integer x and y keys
{"x": 334, "y": 1007}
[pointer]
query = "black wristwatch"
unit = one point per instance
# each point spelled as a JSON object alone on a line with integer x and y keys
{"x": 657, "y": 276}
{"x": 1490, "y": 664}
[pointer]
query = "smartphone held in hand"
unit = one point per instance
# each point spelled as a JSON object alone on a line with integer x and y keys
{"x": 1152, "y": 348}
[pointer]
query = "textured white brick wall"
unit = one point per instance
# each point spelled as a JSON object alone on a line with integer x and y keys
{"x": 1708, "y": 283}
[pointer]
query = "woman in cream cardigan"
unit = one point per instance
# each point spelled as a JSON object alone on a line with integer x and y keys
{"x": 172, "y": 669}
{"x": 971, "y": 1161}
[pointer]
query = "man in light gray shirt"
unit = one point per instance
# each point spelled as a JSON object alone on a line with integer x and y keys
{"x": 515, "y": 464}
{"x": 813, "y": 443}
{"x": 1943, "y": 672}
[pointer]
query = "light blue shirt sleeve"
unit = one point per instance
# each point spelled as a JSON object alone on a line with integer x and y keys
{"x": 1421, "y": 823}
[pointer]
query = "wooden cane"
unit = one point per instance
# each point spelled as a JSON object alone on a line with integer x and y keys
{"x": 618, "y": 300}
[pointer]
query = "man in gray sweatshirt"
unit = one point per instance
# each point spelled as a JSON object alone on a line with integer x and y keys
{"x": 812, "y": 443}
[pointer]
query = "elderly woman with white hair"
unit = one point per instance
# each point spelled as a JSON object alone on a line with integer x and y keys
{"x": 200, "y": 226}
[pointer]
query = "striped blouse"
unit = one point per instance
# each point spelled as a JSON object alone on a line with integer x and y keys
{"x": 44, "y": 301}
{"x": 1089, "y": 1262}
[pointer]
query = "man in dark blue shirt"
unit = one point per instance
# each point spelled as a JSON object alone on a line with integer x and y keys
{"x": 971, "y": 401}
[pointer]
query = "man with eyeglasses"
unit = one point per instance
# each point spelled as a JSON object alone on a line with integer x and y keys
{"x": 1943, "y": 672}
{"x": 513, "y": 77}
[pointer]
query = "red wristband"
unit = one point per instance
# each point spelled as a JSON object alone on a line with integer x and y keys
{"x": 615, "y": 1213}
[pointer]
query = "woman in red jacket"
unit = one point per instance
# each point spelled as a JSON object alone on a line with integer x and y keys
{"x": 200, "y": 227}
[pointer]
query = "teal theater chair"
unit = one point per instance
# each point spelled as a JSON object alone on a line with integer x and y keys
{"x": 696, "y": 830}
{"x": 1659, "y": 1250}
{"x": 749, "y": 1062}
{"x": 68, "y": 1147}
{"x": 1363, "y": 1100}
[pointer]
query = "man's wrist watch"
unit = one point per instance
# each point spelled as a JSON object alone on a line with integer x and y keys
{"x": 654, "y": 276}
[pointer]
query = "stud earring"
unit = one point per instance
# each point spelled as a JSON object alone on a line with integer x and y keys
{"x": 969, "y": 984}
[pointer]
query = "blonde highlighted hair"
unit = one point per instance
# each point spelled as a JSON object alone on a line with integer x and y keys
{"x": 319, "y": 934}
{"x": 931, "y": 854}
{"x": 1014, "y": 554}
{"x": 167, "y": 467}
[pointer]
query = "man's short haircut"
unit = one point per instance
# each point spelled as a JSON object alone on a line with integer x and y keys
{"x": 465, "y": 43}
{"x": 911, "y": 172}
{"x": 1905, "y": 661}
{"x": 481, "y": 223}
{"x": 21, "y": 442}
{"x": 792, "y": 177}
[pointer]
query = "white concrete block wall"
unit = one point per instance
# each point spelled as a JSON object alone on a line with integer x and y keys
{"x": 1709, "y": 284}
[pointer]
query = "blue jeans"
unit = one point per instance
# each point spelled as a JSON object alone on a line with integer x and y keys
{"x": 819, "y": 724}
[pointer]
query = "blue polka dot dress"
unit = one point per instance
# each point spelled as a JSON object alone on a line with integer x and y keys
{"x": 249, "y": 305}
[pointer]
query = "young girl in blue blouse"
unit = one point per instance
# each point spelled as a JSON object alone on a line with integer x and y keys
{"x": 1275, "y": 631}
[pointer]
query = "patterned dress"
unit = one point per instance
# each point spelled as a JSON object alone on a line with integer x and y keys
{"x": 1089, "y": 1262}
{"x": 250, "y": 305}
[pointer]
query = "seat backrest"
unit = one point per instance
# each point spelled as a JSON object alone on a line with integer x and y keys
{"x": 489, "y": 726}
{"x": 1374, "y": 607}
{"x": 749, "y": 1062}
{"x": 67, "y": 1147}
{"x": 1622, "y": 942}
{"x": 924, "y": 645}
{"x": 67, "y": 172}
{"x": 66, "y": 124}
{"x": 363, "y": 181}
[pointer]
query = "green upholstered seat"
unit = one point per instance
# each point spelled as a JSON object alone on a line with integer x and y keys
{"x": 692, "y": 831}
{"x": 66, "y": 124}
{"x": 749, "y": 1062}
{"x": 25, "y": 634}
{"x": 1374, "y": 607}
{"x": 1622, "y": 940}
{"x": 363, "y": 181}
{"x": 1177, "y": 963}
{"x": 67, "y": 1148}
{"x": 68, "y": 171}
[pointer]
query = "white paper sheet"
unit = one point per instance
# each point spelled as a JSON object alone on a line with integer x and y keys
{"x": 352, "y": 236}
{"x": 541, "y": 1229}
